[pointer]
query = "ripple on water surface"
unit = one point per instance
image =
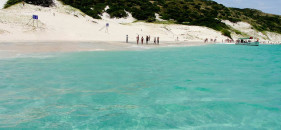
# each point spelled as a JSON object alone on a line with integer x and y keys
{"x": 214, "y": 86}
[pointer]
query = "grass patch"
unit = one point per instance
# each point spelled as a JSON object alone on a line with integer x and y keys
{"x": 165, "y": 22}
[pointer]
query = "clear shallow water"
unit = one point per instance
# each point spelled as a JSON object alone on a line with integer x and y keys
{"x": 205, "y": 87}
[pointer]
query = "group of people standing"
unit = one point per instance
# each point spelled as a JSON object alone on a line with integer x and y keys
{"x": 228, "y": 41}
{"x": 147, "y": 39}
{"x": 211, "y": 40}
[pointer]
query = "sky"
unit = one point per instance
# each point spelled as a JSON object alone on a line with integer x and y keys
{"x": 267, "y": 6}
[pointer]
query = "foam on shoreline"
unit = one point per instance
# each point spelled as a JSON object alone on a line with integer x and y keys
{"x": 65, "y": 29}
{"x": 14, "y": 49}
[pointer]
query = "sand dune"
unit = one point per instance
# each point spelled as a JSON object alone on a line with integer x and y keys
{"x": 65, "y": 23}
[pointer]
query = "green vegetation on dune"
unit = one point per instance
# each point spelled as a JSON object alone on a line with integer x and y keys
{"x": 209, "y": 13}
{"x": 259, "y": 20}
{"x": 189, "y": 12}
{"x": 11, "y": 2}
{"x": 140, "y": 9}
{"x": 45, "y": 3}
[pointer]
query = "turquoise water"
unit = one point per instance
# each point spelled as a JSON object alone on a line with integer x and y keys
{"x": 204, "y": 87}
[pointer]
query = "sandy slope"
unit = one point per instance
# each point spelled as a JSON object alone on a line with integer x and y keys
{"x": 66, "y": 29}
{"x": 247, "y": 30}
{"x": 64, "y": 23}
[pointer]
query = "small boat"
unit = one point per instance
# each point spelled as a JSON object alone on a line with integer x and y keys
{"x": 249, "y": 41}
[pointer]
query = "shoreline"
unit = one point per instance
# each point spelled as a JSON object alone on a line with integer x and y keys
{"x": 64, "y": 24}
{"x": 13, "y": 49}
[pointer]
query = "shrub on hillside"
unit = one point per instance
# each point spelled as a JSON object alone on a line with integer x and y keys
{"x": 11, "y": 2}
{"x": 192, "y": 12}
{"x": 45, "y": 3}
{"x": 226, "y": 33}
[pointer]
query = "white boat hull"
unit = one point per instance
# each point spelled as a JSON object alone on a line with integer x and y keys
{"x": 253, "y": 44}
{"x": 249, "y": 43}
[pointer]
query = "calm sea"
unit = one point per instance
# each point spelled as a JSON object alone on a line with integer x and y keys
{"x": 203, "y": 87}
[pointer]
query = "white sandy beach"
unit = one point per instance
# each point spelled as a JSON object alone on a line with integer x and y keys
{"x": 64, "y": 23}
{"x": 64, "y": 28}
{"x": 18, "y": 49}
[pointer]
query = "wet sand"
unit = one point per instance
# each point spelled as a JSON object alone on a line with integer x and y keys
{"x": 11, "y": 49}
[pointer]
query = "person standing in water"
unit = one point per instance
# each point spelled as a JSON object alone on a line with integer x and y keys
{"x": 206, "y": 40}
{"x": 138, "y": 38}
{"x": 158, "y": 40}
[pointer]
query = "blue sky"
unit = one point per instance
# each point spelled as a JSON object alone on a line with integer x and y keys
{"x": 267, "y": 6}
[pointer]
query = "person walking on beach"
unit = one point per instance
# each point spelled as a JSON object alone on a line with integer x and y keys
{"x": 154, "y": 40}
{"x": 142, "y": 40}
{"x": 158, "y": 40}
{"x": 127, "y": 38}
{"x": 146, "y": 39}
{"x": 206, "y": 40}
{"x": 138, "y": 38}
{"x": 23, "y": 3}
